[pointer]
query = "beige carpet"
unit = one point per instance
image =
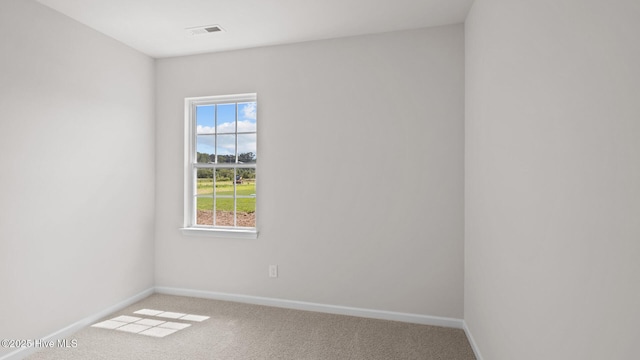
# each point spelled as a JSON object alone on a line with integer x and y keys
{"x": 242, "y": 331}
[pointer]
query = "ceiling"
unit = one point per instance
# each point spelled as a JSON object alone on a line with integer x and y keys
{"x": 157, "y": 27}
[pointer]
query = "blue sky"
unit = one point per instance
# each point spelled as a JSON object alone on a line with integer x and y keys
{"x": 226, "y": 127}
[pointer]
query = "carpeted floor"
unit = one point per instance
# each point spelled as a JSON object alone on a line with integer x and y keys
{"x": 242, "y": 331}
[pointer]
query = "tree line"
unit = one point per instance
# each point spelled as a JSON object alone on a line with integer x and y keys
{"x": 244, "y": 158}
{"x": 227, "y": 174}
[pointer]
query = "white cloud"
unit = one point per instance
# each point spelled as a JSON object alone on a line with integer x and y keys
{"x": 249, "y": 111}
{"x": 228, "y": 128}
{"x": 226, "y": 144}
{"x": 247, "y": 143}
{"x": 246, "y": 126}
{"x": 205, "y": 130}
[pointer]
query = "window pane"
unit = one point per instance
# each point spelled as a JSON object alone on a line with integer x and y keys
{"x": 205, "y": 148}
{"x": 246, "y": 207}
{"x": 246, "y": 212}
{"x": 226, "y": 118}
{"x": 246, "y": 182}
{"x": 204, "y": 184}
{"x": 226, "y": 149}
{"x": 247, "y": 117}
{"x": 205, "y": 119}
{"x": 224, "y": 212}
{"x": 247, "y": 148}
{"x": 224, "y": 182}
{"x": 204, "y": 210}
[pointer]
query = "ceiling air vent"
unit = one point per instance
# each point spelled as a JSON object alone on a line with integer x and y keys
{"x": 203, "y": 30}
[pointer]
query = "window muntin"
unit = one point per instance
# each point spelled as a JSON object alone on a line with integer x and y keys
{"x": 221, "y": 156}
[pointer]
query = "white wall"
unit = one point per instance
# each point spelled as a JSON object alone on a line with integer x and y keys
{"x": 77, "y": 167}
{"x": 360, "y": 192}
{"x": 553, "y": 179}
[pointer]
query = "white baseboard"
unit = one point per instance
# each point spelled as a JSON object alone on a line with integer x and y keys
{"x": 71, "y": 329}
{"x": 307, "y": 306}
{"x": 472, "y": 341}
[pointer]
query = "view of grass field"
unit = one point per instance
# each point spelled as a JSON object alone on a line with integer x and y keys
{"x": 205, "y": 187}
{"x": 245, "y": 207}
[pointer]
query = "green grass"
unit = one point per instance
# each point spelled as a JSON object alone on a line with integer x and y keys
{"x": 244, "y": 205}
{"x": 205, "y": 187}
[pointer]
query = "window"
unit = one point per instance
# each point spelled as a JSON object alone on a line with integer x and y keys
{"x": 220, "y": 165}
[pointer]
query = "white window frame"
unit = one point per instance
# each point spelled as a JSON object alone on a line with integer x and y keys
{"x": 190, "y": 227}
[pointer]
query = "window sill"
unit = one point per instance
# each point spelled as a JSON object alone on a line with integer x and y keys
{"x": 222, "y": 233}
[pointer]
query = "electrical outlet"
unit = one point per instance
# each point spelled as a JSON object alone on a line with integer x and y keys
{"x": 273, "y": 271}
